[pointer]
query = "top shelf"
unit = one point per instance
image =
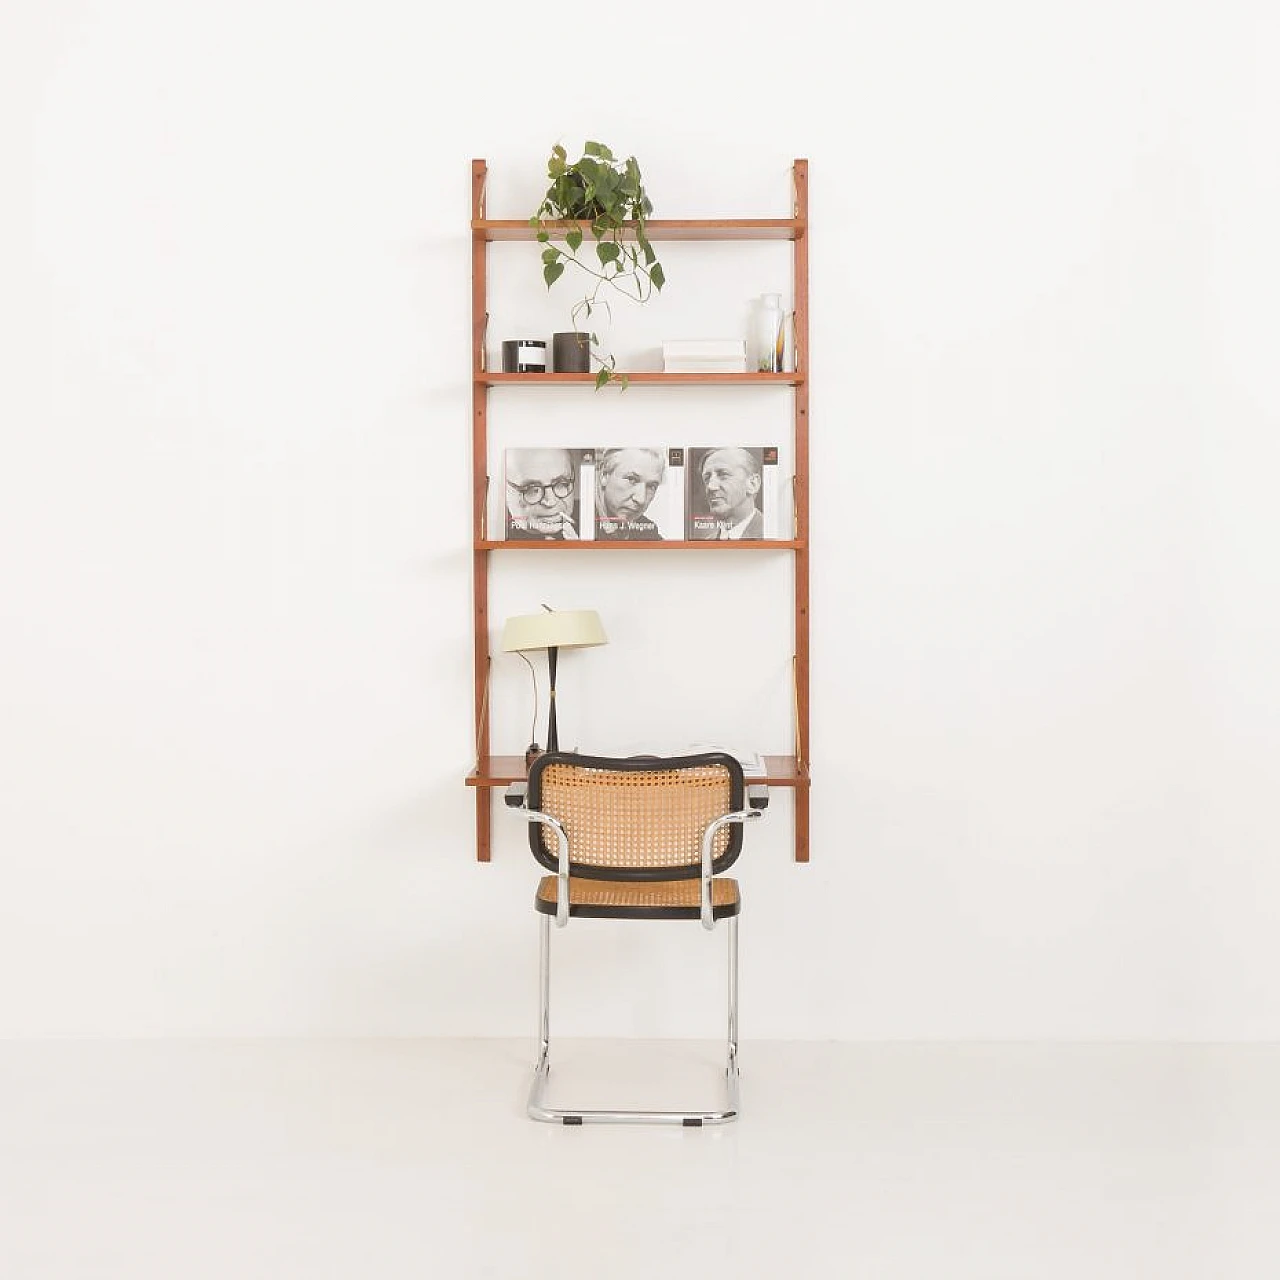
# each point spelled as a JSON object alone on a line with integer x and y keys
{"x": 666, "y": 229}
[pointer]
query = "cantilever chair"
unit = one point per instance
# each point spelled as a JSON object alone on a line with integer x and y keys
{"x": 640, "y": 838}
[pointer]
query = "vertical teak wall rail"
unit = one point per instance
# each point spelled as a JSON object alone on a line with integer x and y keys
{"x": 479, "y": 495}
{"x": 800, "y": 338}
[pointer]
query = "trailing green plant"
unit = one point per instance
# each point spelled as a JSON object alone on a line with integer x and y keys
{"x": 607, "y": 197}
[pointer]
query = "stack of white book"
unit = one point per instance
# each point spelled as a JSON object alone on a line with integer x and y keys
{"x": 704, "y": 355}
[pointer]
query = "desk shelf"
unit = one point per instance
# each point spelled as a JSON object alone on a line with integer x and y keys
{"x": 502, "y": 771}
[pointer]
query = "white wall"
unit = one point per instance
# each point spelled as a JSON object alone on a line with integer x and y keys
{"x": 235, "y": 605}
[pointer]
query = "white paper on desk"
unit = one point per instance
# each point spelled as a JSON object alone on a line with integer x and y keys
{"x": 752, "y": 762}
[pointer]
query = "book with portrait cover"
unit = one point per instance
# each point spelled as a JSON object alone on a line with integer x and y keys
{"x": 543, "y": 487}
{"x": 732, "y": 493}
{"x": 637, "y": 493}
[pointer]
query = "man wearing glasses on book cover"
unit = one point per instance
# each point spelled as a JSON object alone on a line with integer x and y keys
{"x": 542, "y": 495}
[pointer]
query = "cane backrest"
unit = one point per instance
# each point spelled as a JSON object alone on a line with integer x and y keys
{"x": 636, "y": 818}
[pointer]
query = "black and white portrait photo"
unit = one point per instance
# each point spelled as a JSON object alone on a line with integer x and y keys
{"x": 728, "y": 495}
{"x": 633, "y": 487}
{"x": 543, "y": 494}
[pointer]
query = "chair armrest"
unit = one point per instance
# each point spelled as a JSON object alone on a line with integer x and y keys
{"x": 515, "y": 794}
{"x": 758, "y": 797}
{"x": 562, "y": 847}
{"x": 708, "y": 857}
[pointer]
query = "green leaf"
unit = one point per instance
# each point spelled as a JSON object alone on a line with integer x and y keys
{"x": 552, "y": 272}
{"x": 573, "y": 238}
{"x": 542, "y": 237}
{"x": 655, "y": 274}
{"x": 607, "y": 185}
{"x": 607, "y": 251}
{"x": 602, "y": 377}
{"x": 551, "y": 254}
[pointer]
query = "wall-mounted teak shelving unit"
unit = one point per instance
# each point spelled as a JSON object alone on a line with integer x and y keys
{"x": 780, "y": 771}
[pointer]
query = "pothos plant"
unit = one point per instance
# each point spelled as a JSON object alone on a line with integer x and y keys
{"x": 607, "y": 197}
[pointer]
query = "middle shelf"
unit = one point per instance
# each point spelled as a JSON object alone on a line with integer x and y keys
{"x": 589, "y": 544}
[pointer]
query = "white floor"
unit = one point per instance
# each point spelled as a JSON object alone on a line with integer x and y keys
{"x": 376, "y": 1159}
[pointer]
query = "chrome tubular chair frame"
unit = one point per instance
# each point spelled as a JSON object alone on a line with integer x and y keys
{"x": 538, "y": 1109}
{"x": 718, "y": 840}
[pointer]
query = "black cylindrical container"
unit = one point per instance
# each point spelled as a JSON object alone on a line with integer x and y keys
{"x": 524, "y": 355}
{"x": 571, "y": 352}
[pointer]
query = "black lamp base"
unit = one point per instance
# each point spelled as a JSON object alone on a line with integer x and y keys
{"x": 553, "y": 737}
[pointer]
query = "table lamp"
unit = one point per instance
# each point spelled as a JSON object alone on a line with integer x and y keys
{"x": 552, "y": 630}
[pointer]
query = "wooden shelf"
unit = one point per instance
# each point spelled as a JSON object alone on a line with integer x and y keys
{"x": 641, "y": 379}
{"x": 706, "y": 544}
{"x": 490, "y": 229}
{"x": 502, "y": 771}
